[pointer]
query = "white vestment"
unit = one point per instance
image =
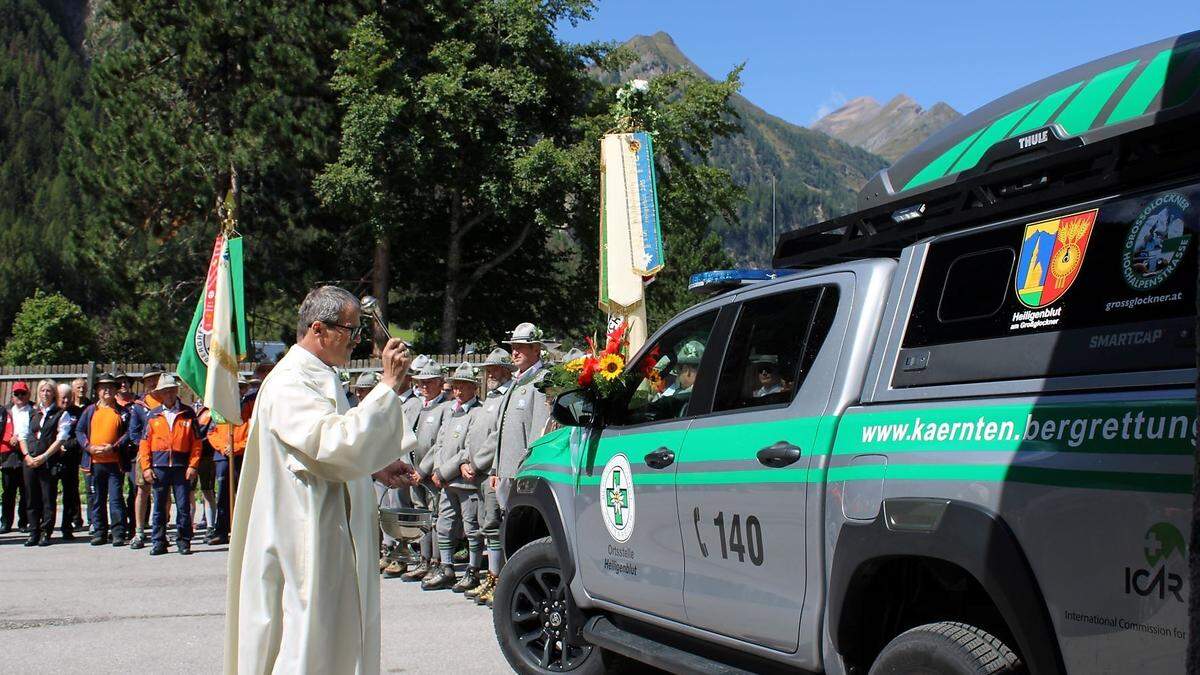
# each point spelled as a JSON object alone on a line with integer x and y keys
{"x": 303, "y": 556}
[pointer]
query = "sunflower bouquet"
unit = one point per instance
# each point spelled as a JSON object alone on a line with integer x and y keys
{"x": 602, "y": 371}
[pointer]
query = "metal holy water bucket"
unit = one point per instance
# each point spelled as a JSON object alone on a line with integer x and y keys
{"x": 406, "y": 525}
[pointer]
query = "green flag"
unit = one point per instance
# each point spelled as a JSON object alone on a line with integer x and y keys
{"x": 193, "y": 361}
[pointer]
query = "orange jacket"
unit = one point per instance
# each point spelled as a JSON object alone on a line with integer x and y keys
{"x": 218, "y": 434}
{"x": 165, "y": 445}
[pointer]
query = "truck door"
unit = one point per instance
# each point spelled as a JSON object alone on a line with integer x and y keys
{"x": 627, "y": 526}
{"x": 743, "y": 474}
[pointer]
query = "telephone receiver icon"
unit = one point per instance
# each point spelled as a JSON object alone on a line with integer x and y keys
{"x": 696, "y": 524}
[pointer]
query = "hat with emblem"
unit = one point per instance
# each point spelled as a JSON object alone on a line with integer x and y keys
{"x": 500, "y": 357}
{"x": 691, "y": 352}
{"x": 122, "y": 375}
{"x": 417, "y": 364}
{"x": 525, "y": 334}
{"x": 764, "y": 358}
{"x": 367, "y": 380}
{"x": 166, "y": 381}
{"x": 431, "y": 370}
{"x": 156, "y": 369}
{"x": 465, "y": 372}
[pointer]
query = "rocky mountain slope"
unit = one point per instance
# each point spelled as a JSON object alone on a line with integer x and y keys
{"x": 887, "y": 130}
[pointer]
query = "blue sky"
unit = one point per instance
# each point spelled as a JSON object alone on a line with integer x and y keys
{"x": 806, "y": 58}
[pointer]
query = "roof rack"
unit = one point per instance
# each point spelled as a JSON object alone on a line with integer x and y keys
{"x": 1008, "y": 182}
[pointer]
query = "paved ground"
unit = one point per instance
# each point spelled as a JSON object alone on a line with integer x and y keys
{"x": 74, "y": 608}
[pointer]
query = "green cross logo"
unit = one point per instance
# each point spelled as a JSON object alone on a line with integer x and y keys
{"x": 616, "y": 497}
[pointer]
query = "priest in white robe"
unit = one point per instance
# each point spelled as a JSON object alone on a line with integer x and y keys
{"x": 303, "y": 591}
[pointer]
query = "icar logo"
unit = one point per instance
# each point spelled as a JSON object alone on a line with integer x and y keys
{"x": 1162, "y": 543}
{"x": 616, "y": 498}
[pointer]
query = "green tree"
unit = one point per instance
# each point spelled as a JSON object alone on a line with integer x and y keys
{"x": 42, "y": 79}
{"x": 207, "y": 104}
{"x": 50, "y": 329}
{"x": 470, "y": 145}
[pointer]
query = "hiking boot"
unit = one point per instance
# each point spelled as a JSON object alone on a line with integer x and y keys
{"x": 218, "y": 540}
{"x": 484, "y": 581}
{"x": 44, "y": 541}
{"x": 394, "y": 569}
{"x": 417, "y": 573}
{"x": 99, "y": 539}
{"x": 139, "y": 541}
{"x": 441, "y": 580}
{"x": 158, "y": 548}
{"x": 184, "y": 546}
{"x": 462, "y": 555}
{"x": 470, "y": 579}
{"x": 434, "y": 569}
{"x": 485, "y": 596}
{"x": 35, "y": 538}
{"x": 120, "y": 541}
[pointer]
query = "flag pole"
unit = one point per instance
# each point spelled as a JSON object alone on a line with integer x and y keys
{"x": 232, "y": 485}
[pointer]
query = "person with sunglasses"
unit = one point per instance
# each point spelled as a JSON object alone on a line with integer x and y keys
{"x": 303, "y": 591}
{"x": 766, "y": 373}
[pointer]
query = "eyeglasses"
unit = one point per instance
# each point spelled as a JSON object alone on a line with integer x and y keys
{"x": 355, "y": 331}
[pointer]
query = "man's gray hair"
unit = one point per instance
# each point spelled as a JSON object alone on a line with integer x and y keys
{"x": 324, "y": 304}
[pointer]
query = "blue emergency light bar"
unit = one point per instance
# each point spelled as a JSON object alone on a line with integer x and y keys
{"x": 719, "y": 281}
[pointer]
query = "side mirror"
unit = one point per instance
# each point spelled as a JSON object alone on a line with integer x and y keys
{"x": 575, "y": 408}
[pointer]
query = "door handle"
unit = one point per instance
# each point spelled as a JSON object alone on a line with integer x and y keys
{"x": 779, "y": 455}
{"x": 660, "y": 458}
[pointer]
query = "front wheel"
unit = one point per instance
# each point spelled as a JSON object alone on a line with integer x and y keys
{"x": 946, "y": 648}
{"x": 529, "y": 614}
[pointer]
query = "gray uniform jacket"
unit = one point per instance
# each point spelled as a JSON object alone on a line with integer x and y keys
{"x": 410, "y": 402}
{"x": 480, "y": 442}
{"x": 426, "y": 427}
{"x": 523, "y": 415}
{"x": 450, "y": 451}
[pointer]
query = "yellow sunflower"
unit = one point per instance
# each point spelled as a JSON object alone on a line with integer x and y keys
{"x": 576, "y": 365}
{"x": 611, "y": 366}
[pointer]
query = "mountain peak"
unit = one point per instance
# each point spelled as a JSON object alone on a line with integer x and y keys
{"x": 888, "y": 130}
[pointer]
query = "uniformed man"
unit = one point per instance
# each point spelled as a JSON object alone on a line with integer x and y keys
{"x": 523, "y": 414}
{"x": 168, "y": 456}
{"x": 137, "y": 505}
{"x": 766, "y": 373}
{"x": 498, "y": 371}
{"x": 677, "y": 396}
{"x": 102, "y": 432}
{"x": 411, "y": 402}
{"x": 426, "y": 427}
{"x": 458, "y": 510}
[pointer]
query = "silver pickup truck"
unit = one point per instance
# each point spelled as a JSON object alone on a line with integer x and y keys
{"x": 957, "y": 438}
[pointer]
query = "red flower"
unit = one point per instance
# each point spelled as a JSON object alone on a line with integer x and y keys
{"x": 588, "y": 373}
{"x": 615, "y": 338}
{"x": 650, "y": 361}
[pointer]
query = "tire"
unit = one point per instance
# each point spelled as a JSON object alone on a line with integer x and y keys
{"x": 524, "y": 602}
{"x": 946, "y": 648}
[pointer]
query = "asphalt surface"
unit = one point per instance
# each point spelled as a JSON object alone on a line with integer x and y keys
{"x": 75, "y": 608}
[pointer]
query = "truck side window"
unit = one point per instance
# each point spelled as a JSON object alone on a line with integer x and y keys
{"x": 667, "y": 391}
{"x": 773, "y": 346}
